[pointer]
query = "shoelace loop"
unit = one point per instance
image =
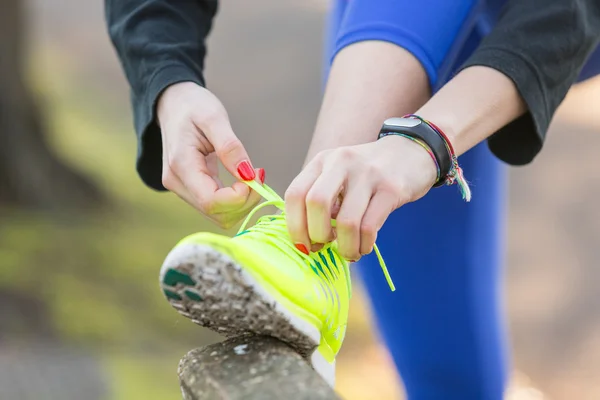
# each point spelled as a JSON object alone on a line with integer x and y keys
{"x": 277, "y": 225}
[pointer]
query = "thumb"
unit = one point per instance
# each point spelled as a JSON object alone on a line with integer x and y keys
{"x": 231, "y": 151}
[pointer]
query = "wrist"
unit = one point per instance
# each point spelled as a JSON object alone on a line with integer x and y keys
{"x": 447, "y": 123}
{"x": 173, "y": 96}
{"x": 428, "y": 136}
{"x": 436, "y": 142}
{"x": 417, "y": 152}
{"x": 473, "y": 105}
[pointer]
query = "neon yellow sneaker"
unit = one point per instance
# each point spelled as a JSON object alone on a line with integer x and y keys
{"x": 258, "y": 282}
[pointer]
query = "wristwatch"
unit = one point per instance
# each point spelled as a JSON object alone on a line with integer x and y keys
{"x": 418, "y": 129}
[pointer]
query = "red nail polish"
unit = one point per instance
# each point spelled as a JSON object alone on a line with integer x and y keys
{"x": 261, "y": 175}
{"x": 352, "y": 261}
{"x": 302, "y": 248}
{"x": 246, "y": 171}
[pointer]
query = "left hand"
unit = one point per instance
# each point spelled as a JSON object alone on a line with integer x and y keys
{"x": 359, "y": 186}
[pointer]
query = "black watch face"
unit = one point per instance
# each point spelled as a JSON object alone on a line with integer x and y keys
{"x": 402, "y": 122}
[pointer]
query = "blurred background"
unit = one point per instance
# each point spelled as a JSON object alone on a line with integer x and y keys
{"x": 82, "y": 240}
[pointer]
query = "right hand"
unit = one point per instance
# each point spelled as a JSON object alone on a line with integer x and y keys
{"x": 196, "y": 133}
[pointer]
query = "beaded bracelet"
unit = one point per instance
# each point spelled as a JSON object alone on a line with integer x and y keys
{"x": 453, "y": 173}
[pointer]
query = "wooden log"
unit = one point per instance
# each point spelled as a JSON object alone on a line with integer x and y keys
{"x": 249, "y": 368}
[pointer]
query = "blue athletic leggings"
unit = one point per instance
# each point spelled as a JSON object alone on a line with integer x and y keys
{"x": 444, "y": 324}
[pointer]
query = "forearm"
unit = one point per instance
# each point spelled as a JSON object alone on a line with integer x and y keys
{"x": 541, "y": 45}
{"x": 474, "y": 105}
{"x": 159, "y": 43}
{"x": 361, "y": 94}
{"x": 159, "y": 39}
{"x": 383, "y": 67}
{"x": 369, "y": 82}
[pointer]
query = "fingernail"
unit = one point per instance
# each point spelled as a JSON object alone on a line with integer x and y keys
{"x": 246, "y": 171}
{"x": 302, "y": 248}
{"x": 352, "y": 261}
{"x": 316, "y": 247}
{"x": 261, "y": 175}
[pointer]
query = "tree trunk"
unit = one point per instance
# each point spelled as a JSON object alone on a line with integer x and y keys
{"x": 31, "y": 175}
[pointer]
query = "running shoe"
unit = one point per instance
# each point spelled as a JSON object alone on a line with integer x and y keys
{"x": 258, "y": 283}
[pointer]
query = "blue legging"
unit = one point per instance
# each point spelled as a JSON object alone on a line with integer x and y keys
{"x": 444, "y": 324}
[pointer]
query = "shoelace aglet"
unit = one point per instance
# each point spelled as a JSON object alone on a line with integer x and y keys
{"x": 388, "y": 278}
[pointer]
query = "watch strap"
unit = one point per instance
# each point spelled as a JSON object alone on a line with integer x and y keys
{"x": 416, "y": 128}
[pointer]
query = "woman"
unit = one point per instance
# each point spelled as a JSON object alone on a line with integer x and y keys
{"x": 288, "y": 276}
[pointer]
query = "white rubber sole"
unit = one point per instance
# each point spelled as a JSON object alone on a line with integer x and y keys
{"x": 212, "y": 289}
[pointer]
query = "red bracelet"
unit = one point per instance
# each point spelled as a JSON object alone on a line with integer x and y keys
{"x": 455, "y": 175}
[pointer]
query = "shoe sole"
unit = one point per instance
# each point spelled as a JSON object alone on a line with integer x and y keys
{"x": 214, "y": 291}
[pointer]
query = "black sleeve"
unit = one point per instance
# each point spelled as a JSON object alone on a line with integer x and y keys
{"x": 159, "y": 43}
{"x": 542, "y": 46}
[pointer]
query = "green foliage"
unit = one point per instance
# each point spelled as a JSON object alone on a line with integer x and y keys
{"x": 96, "y": 275}
{"x": 148, "y": 378}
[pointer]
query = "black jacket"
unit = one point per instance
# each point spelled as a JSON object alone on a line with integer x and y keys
{"x": 541, "y": 45}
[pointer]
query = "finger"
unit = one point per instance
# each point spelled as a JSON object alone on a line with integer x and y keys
{"x": 252, "y": 197}
{"x": 174, "y": 185}
{"x": 227, "y": 199}
{"x": 229, "y": 149}
{"x": 295, "y": 206}
{"x": 225, "y": 219}
{"x": 320, "y": 201}
{"x": 172, "y": 182}
{"x": 228, "y": 212}
{"x": 192, "y": 170}
{"x": 242, "y": 188}
{"x": 177, "y": 187}
{"x": 380, "y": 207}
{"x": 354, "y": 204}
{"x": 261, "y": 175}
{"x": 335, "y": 210}
{"x": 228, "y": 218}
{"x": 212, "y": 165}
{"x": 318, "y": 246}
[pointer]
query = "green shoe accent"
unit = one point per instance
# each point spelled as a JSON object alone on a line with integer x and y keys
{"x": 320, "y": 267}
{"x": 327, "y": 265}
{"x": 332, "y": 257}
{"x": 193, "y": 295}
{"x": 172, "y": 295}
{"x": 173, "y": 277}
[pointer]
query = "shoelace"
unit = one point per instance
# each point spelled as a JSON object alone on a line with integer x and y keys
{"x": 274, "y": 227}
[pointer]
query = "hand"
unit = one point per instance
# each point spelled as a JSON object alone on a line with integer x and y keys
{"x": 359, "y": 186}
{"x": 195, "y": 134}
